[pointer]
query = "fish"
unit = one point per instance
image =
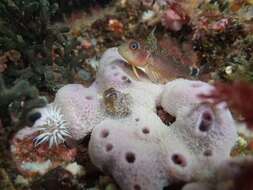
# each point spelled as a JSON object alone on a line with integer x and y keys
{"x": 158, "y": 69}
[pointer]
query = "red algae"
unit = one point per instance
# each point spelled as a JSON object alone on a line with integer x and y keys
{"x": 24, "y": 151}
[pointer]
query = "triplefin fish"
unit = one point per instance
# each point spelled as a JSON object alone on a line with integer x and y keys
{"x": 157, "y": 69}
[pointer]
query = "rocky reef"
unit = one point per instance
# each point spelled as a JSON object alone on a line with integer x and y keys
{"x": 177, "y": 135}
{"x": 129, "y": 138}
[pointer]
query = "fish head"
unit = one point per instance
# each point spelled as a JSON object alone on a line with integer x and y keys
{"x": 133, "y": 52}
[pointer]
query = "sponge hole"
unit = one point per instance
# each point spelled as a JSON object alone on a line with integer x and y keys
{"x": 108, "y": 147}
{"x": 124, "y": 78}
{"x": 145, "y": 130}
{"x": 130, "y": 157}
{"x": 113, "y": 67}
{"x": 104, "y": 133}
{"x": 88, "y": 97}
{"x": 115, "y": 74}
{"x": 208, "y": 153}
{"x": 137, "y": 187}
{"x": 206, "y": 121}
{"x": 179, "y": 159}
{"x": 203, "y": 127}
{"x": 207, "y": 116}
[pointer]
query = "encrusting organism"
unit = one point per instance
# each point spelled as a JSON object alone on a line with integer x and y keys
{"x": 150, "y": 154}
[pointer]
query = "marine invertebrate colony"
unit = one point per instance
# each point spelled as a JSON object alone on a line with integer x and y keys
{"x": 137, "y": 148}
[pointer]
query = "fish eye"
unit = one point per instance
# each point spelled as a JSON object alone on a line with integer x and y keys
{"x": 134, "y": 45}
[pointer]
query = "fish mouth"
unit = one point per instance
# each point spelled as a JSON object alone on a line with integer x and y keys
{"x": 124, "y": 65}
{"x": 123, "y": 59}
{"x": 127, "y": 67}
{"x": 147, "y": 58}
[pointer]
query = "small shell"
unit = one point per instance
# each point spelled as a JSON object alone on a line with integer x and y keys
{"x": 116, "y": 103}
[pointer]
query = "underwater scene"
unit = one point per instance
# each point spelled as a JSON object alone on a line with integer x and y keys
{"x": 126, "y": 94}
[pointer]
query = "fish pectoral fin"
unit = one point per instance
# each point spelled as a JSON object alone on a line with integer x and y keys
{"x": 136, "y": 73}
{"x": 154, "y": 76}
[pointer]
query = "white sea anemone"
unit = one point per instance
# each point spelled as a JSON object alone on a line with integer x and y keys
{"x": 53, "y": 128}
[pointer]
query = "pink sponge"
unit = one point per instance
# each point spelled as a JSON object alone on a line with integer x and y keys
{"x": 127, "y": 149}
{"x": 182, "y": 93}
{"x": 205, "y": 128}
{"x": 110, "y": 74}
{"x": 139, "y": 150}
{"x": 80, "y": 107}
